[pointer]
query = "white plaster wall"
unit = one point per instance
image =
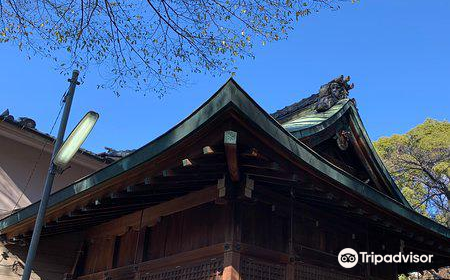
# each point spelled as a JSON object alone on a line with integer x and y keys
{"x": 17, "y": 161}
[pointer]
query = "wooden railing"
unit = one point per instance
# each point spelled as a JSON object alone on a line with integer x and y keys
{"x": 177, "y": 262}
{"x": 208, "y": 263}
{"x": 251, "y": 268}
{"x": 305, "y": 271}
{"x": 207, "y": 269}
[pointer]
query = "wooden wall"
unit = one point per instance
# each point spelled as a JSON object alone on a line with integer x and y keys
{"x": 264, "y": 228}
{"x": 267, "y": 227}
{"x": 318, "y": 238}
{"x": 184, "y": 231}
{"x": 188, "y": 230}
{"x": 98, "y": 254}
{"x": 380, "y": 243}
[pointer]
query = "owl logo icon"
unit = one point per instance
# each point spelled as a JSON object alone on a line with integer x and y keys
{"x": 348, "y": 258}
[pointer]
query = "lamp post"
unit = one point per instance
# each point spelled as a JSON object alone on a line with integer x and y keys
{"x": 62, "y": 153}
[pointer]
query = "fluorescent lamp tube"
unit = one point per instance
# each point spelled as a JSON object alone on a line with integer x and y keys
{"x": 75, "y": 139}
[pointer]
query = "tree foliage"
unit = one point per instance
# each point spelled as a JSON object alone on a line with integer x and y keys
{"x": 143, "y": 44}
{"x": 419, "y": 161}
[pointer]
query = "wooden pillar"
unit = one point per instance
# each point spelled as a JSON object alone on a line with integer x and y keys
{"x": 290, "y": 271}
{"x": 232, "y": 255}
{"x": 231, "y": 264}
{"x": 290, "y": 267}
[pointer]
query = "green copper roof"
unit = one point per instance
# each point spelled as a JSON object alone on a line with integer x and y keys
{"x": 308, "y": 121}
{"x": 231, "y": 95}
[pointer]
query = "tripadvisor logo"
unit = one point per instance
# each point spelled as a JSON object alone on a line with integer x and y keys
{"x": 348, "y": 258}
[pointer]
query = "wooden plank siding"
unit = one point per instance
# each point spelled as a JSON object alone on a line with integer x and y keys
{"x": 99, "y": 255}
{"x": 264, "y": 227}
{"x": 258, "y": 238}
{"x": 201, "y": 226}
{"x": 126, "y": 246}
{"x": 184, "y": 231}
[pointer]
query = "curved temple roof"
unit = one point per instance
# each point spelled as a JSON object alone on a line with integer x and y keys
{"x": 308, "y": 122}
{"x": 286, "y": 136}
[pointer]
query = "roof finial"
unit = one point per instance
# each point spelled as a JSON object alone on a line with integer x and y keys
{"x": 332, "y": 92}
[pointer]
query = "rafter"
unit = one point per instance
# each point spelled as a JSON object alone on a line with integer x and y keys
{"x": 230, "y": 142}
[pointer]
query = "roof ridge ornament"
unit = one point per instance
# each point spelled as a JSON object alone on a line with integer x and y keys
{"x": 333, "y": 91}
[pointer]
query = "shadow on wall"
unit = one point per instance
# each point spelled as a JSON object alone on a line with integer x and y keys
{"x": 55, "y": 257}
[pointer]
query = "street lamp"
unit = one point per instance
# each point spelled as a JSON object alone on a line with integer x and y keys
{"x": 75, "y": 139}
{"x": 62, "y": 153}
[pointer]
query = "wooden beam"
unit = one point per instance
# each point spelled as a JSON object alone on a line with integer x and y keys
{"x": 168, "y": 172}
{"x": 287, "y": 180}
{"x": 186, "y": 162}
{"x": 270, "y": 174}
{"x": 113, "y": 207}
{"x": 264, "y": 253}
{"x": 264, "y": 165}
{"x": 221, "y": 188}
{"x": 147, "y": 180}
{"x": 172, "y": 187}
{"x": 249, "y": 187}
{"x": 188, "y": 177}
{"x": 207, "y": 150}
{"x": 179, "y": 204}
{"x": 66, "y": 220}
{"x": 152, "y": 214}
{"x": 375, "y": 218}
{"x": 157, "y": 196}
{"x": 125, "y": 272}
{"x": 360, "y": 212}
{"x": 117, "y": 210}
{"x": 346, "y": 204}
{"x": 358, "y": 145}
{"x": 230, "y": 142}
{"x": 254, "y": 153}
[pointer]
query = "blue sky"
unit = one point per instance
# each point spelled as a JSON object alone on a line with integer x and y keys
{"x": 397, "y": 53}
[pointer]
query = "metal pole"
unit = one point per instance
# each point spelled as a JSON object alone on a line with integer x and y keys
{"x": 49, "y": 180}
